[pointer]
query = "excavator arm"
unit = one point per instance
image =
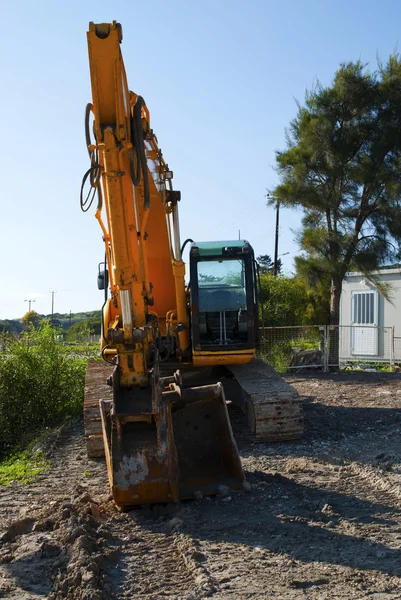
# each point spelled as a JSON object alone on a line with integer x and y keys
{"x": 138, "y": 213}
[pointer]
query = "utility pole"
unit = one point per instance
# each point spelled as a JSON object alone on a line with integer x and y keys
{"x": 30, "y": 302}
{"x": 275, "y": 269}
{"x": 52, "y": 293}
{"x": 275, "y": 266}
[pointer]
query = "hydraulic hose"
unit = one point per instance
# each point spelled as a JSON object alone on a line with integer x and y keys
{"x": 94, "y": 172}
{"x": 138, "y": 160}
{"x": 185, "y": 243}
{"x": 88, "y": 110}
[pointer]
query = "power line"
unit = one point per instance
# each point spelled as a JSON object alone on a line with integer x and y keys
{"x": 238, "y": 219}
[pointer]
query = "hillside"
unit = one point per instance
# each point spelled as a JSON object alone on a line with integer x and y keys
{"x": 64, "y": 320}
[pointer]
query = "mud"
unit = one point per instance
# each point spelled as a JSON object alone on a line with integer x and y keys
{"x": 321, "y": 518}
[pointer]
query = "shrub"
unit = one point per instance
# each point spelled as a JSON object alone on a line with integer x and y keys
{"x": 280, "y": 352}
{"x": 40, "y": 385}
{"x": 284, "y": 300}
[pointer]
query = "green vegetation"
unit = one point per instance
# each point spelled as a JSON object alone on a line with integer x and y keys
{"x": 282, "y": 353}
{"x": 67, "y": 320}
{"x": 79, "y": 332}
{"x": 283, "y": 300}
{"x": 266, "y": 264}
{"x": 31, "y": 319}
{"x": 23, "y": 466}
{"x": 64, "y": 321}
{"x": 341, "y": 167}
{"x": 10, "y": 326}
{"x": 41, "y": 384}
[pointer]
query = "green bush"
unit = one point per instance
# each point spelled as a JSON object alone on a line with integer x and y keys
{"x": 278, "y": 356}
{"x": 40, "y": 385}
{"x": 283, "y": 300}
{"x": 288, "y": 301}
{"x": 280, "y": 353}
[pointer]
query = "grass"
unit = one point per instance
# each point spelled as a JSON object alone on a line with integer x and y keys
{"x": 359, "y": 366}
{"x": 23, "y": 466}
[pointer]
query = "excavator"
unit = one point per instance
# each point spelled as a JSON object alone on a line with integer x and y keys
{"x": 155, "y": 407}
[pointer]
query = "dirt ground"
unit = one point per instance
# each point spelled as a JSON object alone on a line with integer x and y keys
{"x": 322, "y": 519}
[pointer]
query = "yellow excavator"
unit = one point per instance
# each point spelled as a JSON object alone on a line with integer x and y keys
{"x": 156, "y": 407}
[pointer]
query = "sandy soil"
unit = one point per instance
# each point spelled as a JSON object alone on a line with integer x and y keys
{"x": 321, "y": 521}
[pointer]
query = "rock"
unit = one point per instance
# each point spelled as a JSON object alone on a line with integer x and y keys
{"x": 84, "y": 543}
{"x": 223, "y": 490}
{"x": 227, "y": 499}
{"x": 198, "y": 556}
{"x": 50, "y": 549}
{"x": 79, "y": 490}
{"x": 175, "y": 524}
{"x": 85, "y": 498}
{"x": 198, "y": 495}
{"x": 66, "y": 513}
{"x": 46, "y": 525}
{"x": 246, "y": 486}
{"x": 95, "y": 511}
{"x": 17, "y": 528}
{"x": 70, "y": 567}
{"x": 77, "y": 532}
{"x": 5, "y": 558}
{"x": 201, "y": 580}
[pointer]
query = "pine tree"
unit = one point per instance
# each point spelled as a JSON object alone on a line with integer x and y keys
{"x": 342, "y": 166}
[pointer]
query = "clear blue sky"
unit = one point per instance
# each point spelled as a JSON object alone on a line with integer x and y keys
{"x": 220, "y": 79}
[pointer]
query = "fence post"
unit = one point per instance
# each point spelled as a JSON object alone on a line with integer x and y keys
{"x": 324, "y": 328}
{"x": 392, "y": 348}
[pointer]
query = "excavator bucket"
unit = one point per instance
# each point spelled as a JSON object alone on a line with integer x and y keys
{"x": 207, "y": 453}
{"x": 169, "y": 442}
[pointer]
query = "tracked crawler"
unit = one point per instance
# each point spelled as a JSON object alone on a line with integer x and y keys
{"x": 162, "y": 439}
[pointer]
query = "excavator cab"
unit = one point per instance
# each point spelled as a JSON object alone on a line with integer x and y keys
{"x": 223, "y": 302}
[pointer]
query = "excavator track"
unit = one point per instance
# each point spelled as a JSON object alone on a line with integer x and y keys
{"x": 272, "y": 406}
{"x": 96, "y": 389}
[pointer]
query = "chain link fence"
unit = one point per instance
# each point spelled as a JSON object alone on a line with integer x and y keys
{"x": 286, "y": 348}
{"x": 324, "y": 346}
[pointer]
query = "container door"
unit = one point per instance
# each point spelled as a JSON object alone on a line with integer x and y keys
{"x": 364, "y": 333}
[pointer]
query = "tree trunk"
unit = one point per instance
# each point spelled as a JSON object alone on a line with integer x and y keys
{"x": 334, "y": 332}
